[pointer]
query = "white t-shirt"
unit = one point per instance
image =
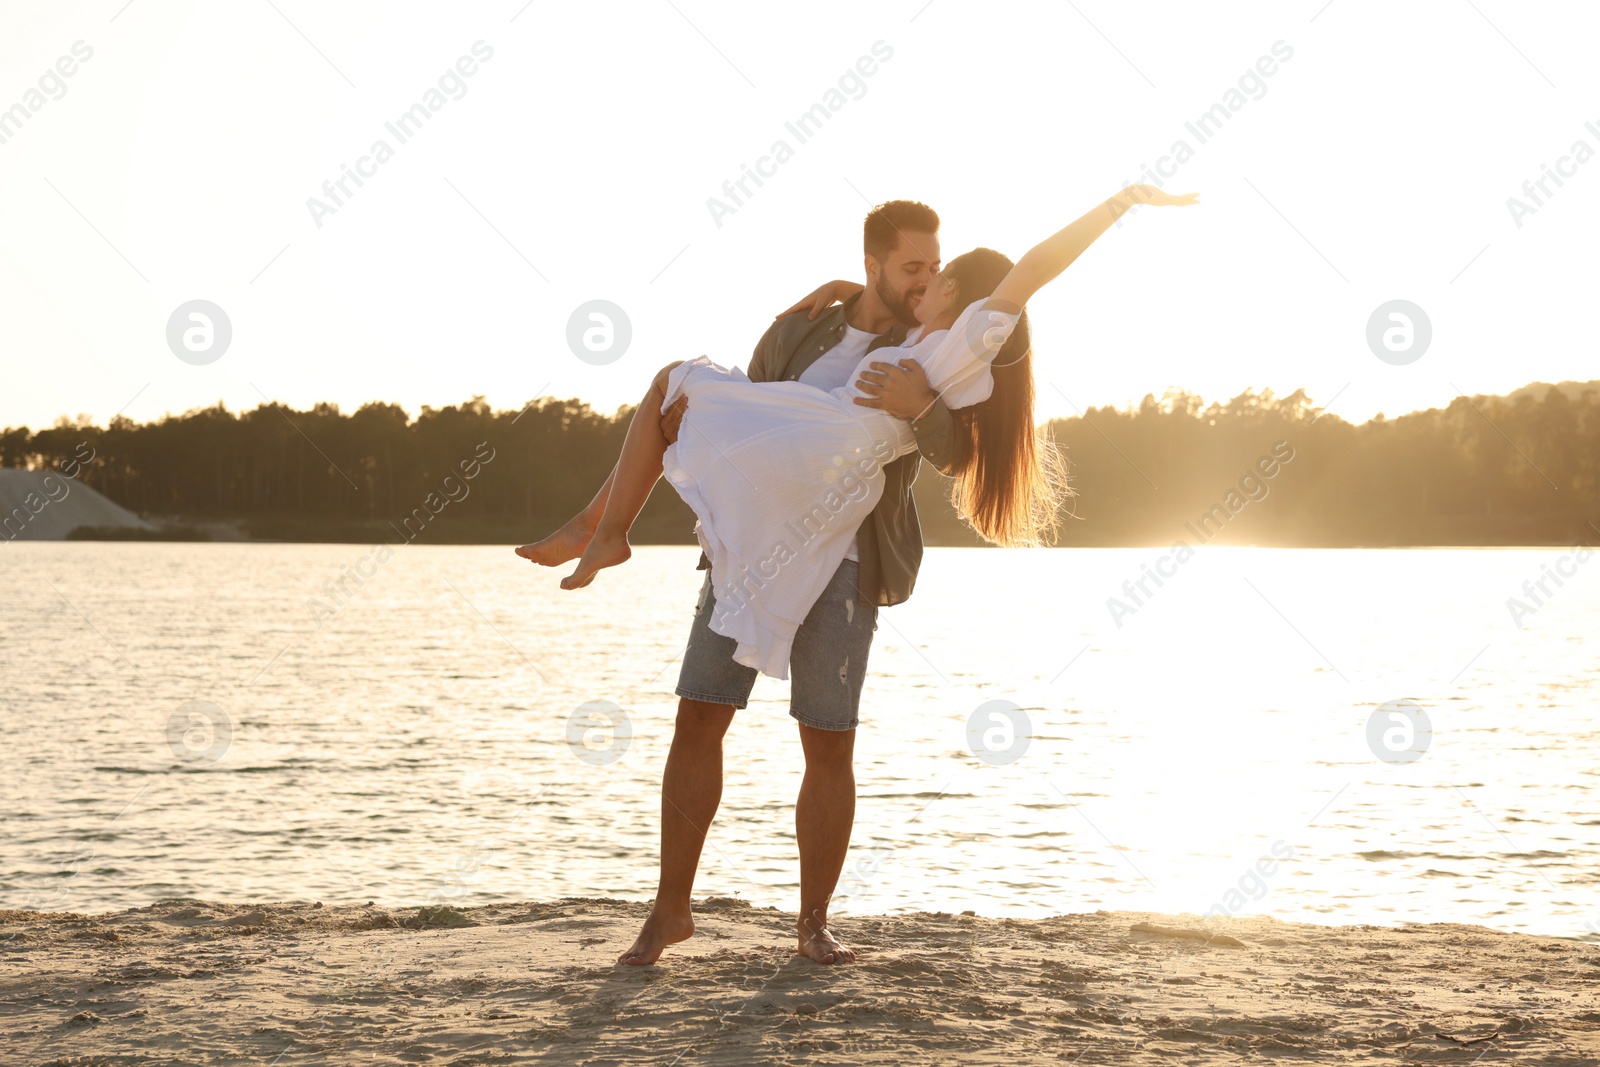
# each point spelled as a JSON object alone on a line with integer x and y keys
{"x": 836, "y": 367}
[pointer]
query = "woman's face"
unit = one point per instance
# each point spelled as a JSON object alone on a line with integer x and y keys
{"x": 938, "y": 301}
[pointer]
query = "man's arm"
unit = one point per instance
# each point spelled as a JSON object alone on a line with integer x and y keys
{"x": 901, "y": 389}
{"x": 935, "y": 433}
{"x": 822, "y": 298}
{"x": 764, "y": 360}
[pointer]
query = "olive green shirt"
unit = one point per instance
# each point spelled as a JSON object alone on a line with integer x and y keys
{"x": 889, "y": 540}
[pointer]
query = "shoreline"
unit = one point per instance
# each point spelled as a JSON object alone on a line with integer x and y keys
{"x": 190, "y": 981}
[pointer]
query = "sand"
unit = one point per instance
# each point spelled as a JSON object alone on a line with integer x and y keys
{"x": 192, "y": 982}
{"x": 47, "y": 505}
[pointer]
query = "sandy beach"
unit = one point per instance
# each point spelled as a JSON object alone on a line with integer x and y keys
{"x": 192, "y": 982}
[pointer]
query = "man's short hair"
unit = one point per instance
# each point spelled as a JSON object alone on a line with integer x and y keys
{"x": 886, "y": 222}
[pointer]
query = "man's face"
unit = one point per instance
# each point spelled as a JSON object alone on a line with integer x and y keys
{"x": 903, "y": 274}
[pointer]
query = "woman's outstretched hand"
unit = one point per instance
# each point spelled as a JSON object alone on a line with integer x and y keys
{"x": 1155, "y": 196}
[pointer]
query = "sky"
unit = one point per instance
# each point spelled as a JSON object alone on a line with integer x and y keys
{"x": 573, "y": 153}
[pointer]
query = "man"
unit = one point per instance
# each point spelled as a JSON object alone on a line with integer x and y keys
{"x": 829, "y": 658}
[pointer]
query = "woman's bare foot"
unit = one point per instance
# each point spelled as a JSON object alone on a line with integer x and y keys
{"x": 658, "y": 932}
{"x": 820, "y": 945}
{"x": 566, "y": 543}
{"x": 600, "y": 554}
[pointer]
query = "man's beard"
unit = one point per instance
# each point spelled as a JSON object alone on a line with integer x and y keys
{"x": 899, "y": 305}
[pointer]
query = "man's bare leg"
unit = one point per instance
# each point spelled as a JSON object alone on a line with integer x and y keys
{"x": 636, "y": 473}
{"x": 691, "y": 789}
{"x": 570, "y": 541}
{"x": 823, "y": 817}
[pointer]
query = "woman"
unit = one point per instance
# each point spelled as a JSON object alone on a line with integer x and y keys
{"x": 780, "y": 474}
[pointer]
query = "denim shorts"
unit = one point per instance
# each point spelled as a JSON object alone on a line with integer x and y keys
{"x": 827, "y": 664}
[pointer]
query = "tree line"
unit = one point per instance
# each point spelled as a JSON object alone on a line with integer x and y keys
{"x": 1520, "y": 469}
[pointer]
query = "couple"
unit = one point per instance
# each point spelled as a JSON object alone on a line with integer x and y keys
{"x": 800, "y": 476}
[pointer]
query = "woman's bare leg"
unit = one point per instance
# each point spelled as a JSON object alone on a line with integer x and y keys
{"x": 635, "y": 475}
{"x": 570, "y": 541}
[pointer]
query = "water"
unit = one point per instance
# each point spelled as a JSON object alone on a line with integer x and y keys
{"x": 412, "y": 746}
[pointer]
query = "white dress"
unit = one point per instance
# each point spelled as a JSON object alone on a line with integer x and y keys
{"x": 780, "y": 475}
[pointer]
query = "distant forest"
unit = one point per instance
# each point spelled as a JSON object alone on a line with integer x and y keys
{"x": 1521, "y": 469}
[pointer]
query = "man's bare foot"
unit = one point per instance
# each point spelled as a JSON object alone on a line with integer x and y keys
{"x": 566, "y": 543}
{"x": 657, "y": 933}
{"x": 820, "y": 945}
{"x": 600, "y": 554}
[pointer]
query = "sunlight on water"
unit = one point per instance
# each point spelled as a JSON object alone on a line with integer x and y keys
{"x": 411, "y": 743}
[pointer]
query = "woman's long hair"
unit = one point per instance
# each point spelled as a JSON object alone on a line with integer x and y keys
{"x": 1010, "y": 479}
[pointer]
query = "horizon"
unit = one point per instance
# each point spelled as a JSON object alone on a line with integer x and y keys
{"x": 83, "y": 419}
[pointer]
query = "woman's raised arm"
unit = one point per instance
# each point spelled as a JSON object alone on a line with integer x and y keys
{"x": 1046, "y": 260}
